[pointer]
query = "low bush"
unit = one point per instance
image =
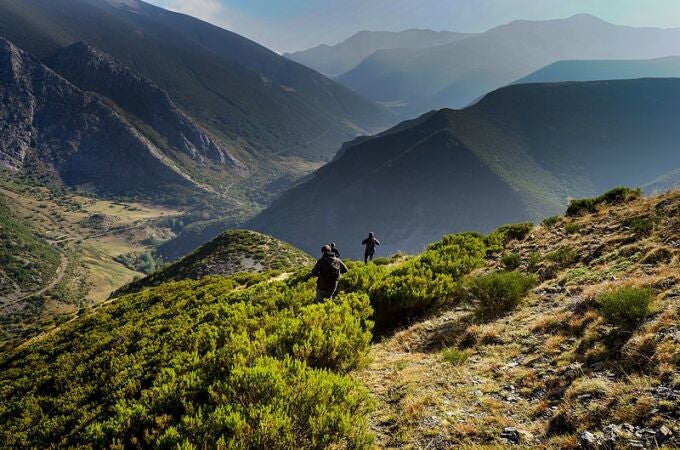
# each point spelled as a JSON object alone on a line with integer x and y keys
{"x": 563, "y": 256}
{"x": 625, "y": 306}
{"x": 551, "y": 221}
{"x": 641, "y": 225}
{"x": 511, "y": 261}
{"x": 495, "y": 294}
{"x": 613, "y": 197}
{"x": 454, "y": 356}
{"x": 516, "y": 231}
{"x": 572, "y": 228}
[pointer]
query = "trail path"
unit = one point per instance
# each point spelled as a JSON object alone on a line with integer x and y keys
{"x": 59, "y": 275}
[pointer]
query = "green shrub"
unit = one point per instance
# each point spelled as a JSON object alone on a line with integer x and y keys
{"x": 533, "y": 262}
{"x": 402, "y": 297}
{"x": 455, "y": 356}
{"x": 551, "y": 221}
{"x": 563, "y": 256}
{"x": 572, "y": 228}
{"x": 511, "y": 261}
{"x": 613, "y": 197}
{"x": 495, "y": 294}
{"x": 515, "y": 232}
{"x": 641, "y": 225}
{"x": 625, "y": 306}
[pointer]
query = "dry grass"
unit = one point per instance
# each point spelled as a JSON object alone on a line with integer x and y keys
{"x": 554, "y": 364}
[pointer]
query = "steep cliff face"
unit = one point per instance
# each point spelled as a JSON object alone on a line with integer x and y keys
{"x": 85, "y": 141}
{"x": 93, "y": 70}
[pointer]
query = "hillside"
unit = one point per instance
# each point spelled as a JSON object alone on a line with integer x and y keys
{"x": 592, "y": 70}
{"x": 231, "y": 252}
{"x": 88, "y": 143}
{"x": 513, "y": 337}
{"x": 335, "y": 60}
{"x": 453, "y": 75}
{"x": 277, "y": 117}
{"x": 518, "y": 154}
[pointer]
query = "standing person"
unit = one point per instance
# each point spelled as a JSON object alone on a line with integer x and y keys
{"x": 328, "y": 270}
{"x": 335, "y": 250}
{"x": 370, "y": 242}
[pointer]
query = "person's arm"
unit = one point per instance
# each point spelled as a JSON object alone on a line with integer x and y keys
{"x": 343, "y": 267}
{"x": 316, "y": 271}
{"x": 377, "y": 242}
{"x": 364, "y": 242}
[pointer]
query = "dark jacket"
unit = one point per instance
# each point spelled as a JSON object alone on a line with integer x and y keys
{"x": 335, "y": 251}
{"x": 323, "y": 270}
{"x": 370, "y": 244}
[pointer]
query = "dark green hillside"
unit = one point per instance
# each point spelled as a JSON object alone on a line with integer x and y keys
{"x": 230, "y": 252}
{"x": 255, "y": 100}
{"x": 28, "y": 261}
{"x": 518, "y": 154}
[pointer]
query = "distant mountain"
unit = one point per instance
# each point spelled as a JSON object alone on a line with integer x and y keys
{"x": 231, "y": 252}
{"x": 453, "y": 75}
{"x": 87, "y": 142}
{"x": 337, "y": 59}
{"x": 234, "y": 99}
{"x": 518, "y": 154}
{"x": 592, "y": 70}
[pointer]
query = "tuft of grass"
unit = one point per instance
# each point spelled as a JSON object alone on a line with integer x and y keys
{"x": 625, "y": 306}
{"x": 511, "y": 261}
{"x": 496, "y": 294}
{"x": 551, "y": 221}
{"x": 641, "y": 225}
{"x": 455, "y": 356}
{"x": 572, "y": 228}
{"x": 563, "y": 256}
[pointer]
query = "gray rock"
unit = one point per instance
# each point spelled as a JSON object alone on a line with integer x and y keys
{"x": 511, "y": 435}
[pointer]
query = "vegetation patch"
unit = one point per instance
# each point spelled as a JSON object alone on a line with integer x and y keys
{"x": 615, "y": 196}
{"x": 455, "y": 356}
{"x": 494, "y": 295}
{"x": 625, "y": 306}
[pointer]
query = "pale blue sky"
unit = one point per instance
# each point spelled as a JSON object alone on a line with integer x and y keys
{"x": 285, "y": 25}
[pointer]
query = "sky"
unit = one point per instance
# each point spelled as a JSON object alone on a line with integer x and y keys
{"x": 289, "y": 25}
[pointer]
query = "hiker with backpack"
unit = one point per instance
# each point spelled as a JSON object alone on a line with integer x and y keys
{"x": 335, "y": 250}
{"x": 328, "y": 270}
{"x": 370, "y": 242}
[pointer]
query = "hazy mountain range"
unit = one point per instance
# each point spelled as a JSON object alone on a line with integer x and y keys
{"x": 337, "y": 59}
{"x": 416, "y": 80}
{"x": 227, "y": 102}
{"x": 592, "y": 70}
{"x": 518, "y": 154}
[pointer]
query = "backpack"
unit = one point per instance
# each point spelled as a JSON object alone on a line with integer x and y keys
{"x": 331, "y": 270}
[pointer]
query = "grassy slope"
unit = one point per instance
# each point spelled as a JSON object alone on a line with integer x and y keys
{"x": 231, "y": 252}
{"x": 209, "y": 362}
{"x": 554, "y": 367}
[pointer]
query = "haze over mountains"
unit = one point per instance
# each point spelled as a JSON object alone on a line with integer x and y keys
{"x": 240, "y": 105}
{"x": 335, "y": 60}
{"x": 518, "y": 154}
{"x": 416, "y": 80}
{"x": 592, "y": 70}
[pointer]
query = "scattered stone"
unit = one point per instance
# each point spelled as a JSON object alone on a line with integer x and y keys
{"x": 588, "y": 440}
{"x": 511, "y": 435}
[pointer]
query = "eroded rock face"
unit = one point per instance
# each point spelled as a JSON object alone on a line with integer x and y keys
{"x": 93, "y": 70}
{"x": 85, "y": 141}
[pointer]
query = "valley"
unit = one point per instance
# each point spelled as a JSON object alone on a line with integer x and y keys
{"x": 86, "y": 237}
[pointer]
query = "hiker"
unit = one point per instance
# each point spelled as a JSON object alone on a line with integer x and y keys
{"x": 328, "y": 270}
{"x": 370, "y": 242}
{"x": 335, "y": 250}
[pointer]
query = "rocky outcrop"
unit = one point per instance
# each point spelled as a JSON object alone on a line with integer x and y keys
{"x": 93, "y": 70}
{"x": 85, "y": 141}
